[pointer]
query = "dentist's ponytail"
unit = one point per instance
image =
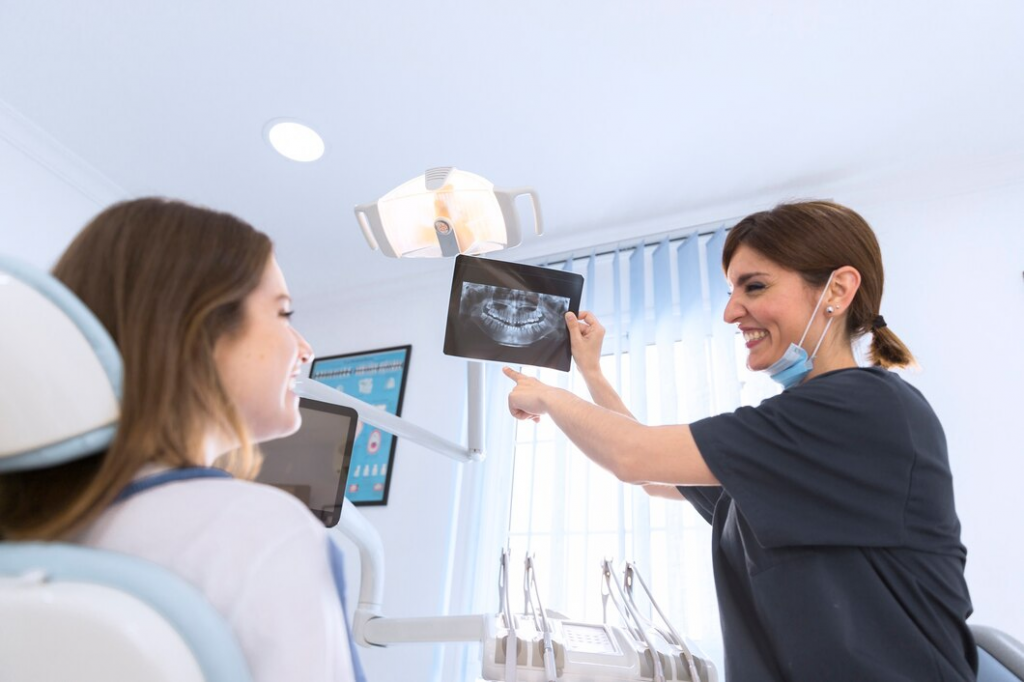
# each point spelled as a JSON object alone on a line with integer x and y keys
{"x": 886, "y": 348}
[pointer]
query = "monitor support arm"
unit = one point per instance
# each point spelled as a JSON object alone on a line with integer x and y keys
{"x": 369, "y": 627}
{"x": 473, "y": 451}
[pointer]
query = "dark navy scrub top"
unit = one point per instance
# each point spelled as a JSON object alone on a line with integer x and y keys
{"x": 836, "y": 543}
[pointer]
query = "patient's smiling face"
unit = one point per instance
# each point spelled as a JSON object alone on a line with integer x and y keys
{"x": 259, "y": 363}
{"x": 771, "y": 304}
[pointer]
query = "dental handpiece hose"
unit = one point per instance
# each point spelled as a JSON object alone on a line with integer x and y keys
{"x": 678, "y": 640}
{"x": 549, "y": 649}
{"x": 512, "y": 642}
{"x": 634, "y": 615}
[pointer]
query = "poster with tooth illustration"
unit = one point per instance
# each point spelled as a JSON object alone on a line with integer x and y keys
{"x": 378, "y": 378}
{"x": 511, "y": 313}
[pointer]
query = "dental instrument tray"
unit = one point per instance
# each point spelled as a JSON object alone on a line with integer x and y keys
{"x": 548, "y": 647}
{"x": 511, "y": 313}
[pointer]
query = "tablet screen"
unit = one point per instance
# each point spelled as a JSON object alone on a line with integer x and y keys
{"x": 509, "y": 312}
{"x": 312, "y": 464}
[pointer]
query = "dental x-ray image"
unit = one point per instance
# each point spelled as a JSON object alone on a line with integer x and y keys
{"x": 511, "y": 313}
{"x": 513, "y": 317}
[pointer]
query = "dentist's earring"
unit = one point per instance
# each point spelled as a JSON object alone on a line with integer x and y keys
{"x": 829, "y": 310}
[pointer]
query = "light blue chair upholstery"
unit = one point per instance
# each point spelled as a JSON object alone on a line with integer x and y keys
{"x": 70, "y": 612}
{"x": 1000, "y": 657}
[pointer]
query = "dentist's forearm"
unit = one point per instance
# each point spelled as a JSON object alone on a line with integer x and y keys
{"x": 632, "y": 452}
{"x": 594, "y": 429}
{"x": 603, "y": 394}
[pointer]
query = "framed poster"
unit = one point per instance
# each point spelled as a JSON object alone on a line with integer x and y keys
{"x": 376, "y": 377}
{"x": 511, "y": 313}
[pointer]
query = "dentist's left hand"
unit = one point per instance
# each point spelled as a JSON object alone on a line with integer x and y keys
{"x": 526, "y": 401}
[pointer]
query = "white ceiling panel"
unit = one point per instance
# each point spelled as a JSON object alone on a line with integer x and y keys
{"x": 620, "y": 114}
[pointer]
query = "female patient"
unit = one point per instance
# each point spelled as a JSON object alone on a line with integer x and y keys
{"x": 199, "y": 308}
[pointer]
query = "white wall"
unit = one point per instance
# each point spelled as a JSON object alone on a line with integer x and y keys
{"x": 45, "y": 191}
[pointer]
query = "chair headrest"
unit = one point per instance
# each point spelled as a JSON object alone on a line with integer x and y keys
{"x": 60, "y": 392}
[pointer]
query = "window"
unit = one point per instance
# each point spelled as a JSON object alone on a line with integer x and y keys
{"x": 571, "y": 514}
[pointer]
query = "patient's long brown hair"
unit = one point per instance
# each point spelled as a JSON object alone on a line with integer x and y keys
{"x": 166, "y": 279}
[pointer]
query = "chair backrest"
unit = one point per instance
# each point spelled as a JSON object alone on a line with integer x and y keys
{"x": 71, "y": 612}
{"x": 61, "y": 390}
{"x": 1000, "y": 656}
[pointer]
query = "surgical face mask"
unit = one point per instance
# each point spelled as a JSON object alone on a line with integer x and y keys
{"x": 794, "y": 365}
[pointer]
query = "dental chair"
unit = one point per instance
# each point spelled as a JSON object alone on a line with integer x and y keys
{"x": 69, "y": 612}
{"x": 1000, "y": 657}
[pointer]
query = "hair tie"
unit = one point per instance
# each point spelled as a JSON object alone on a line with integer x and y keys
{"x": 879, "y": 323}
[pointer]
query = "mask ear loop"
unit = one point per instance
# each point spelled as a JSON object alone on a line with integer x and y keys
{"x": 811, "y": 321}
{"x": 827, "y": 325}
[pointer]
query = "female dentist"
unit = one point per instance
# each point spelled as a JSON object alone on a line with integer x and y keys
{"x": 836, "y": 543}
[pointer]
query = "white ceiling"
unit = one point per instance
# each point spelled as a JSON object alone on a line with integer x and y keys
{"x": 620, "y": 114}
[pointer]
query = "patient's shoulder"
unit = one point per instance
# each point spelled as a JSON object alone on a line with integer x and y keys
{"x": 249, "y": 498}
{"x": 241, "y": 508}
{"x": 209, "y": 513}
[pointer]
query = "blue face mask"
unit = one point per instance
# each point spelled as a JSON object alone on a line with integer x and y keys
{"x": 794, "y": 365}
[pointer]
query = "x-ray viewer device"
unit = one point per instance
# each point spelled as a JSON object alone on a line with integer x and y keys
{"x": 312, "y": 464}
{"x": 511, "y": 313}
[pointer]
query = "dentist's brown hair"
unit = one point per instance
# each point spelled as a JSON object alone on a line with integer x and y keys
{"x": 814, "y": 238}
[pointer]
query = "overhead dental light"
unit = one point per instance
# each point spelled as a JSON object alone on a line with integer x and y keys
{"x": 443, "y": 213}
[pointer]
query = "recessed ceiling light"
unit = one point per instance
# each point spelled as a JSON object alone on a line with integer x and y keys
{"x": 294, "y": 140}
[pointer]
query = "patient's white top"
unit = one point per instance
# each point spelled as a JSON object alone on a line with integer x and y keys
{"x": 257, "y": 554}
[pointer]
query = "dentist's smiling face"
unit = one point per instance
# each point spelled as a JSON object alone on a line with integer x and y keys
{"x": 771, "y": 305}
{"x": 259, "y": 362}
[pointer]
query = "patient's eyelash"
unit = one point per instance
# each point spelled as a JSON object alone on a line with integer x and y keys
{"x": 287, "y": 313}
{"x": 753, "y": 286}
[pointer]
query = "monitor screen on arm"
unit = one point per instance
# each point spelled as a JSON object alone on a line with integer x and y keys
{"x": 313, "y": 463}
